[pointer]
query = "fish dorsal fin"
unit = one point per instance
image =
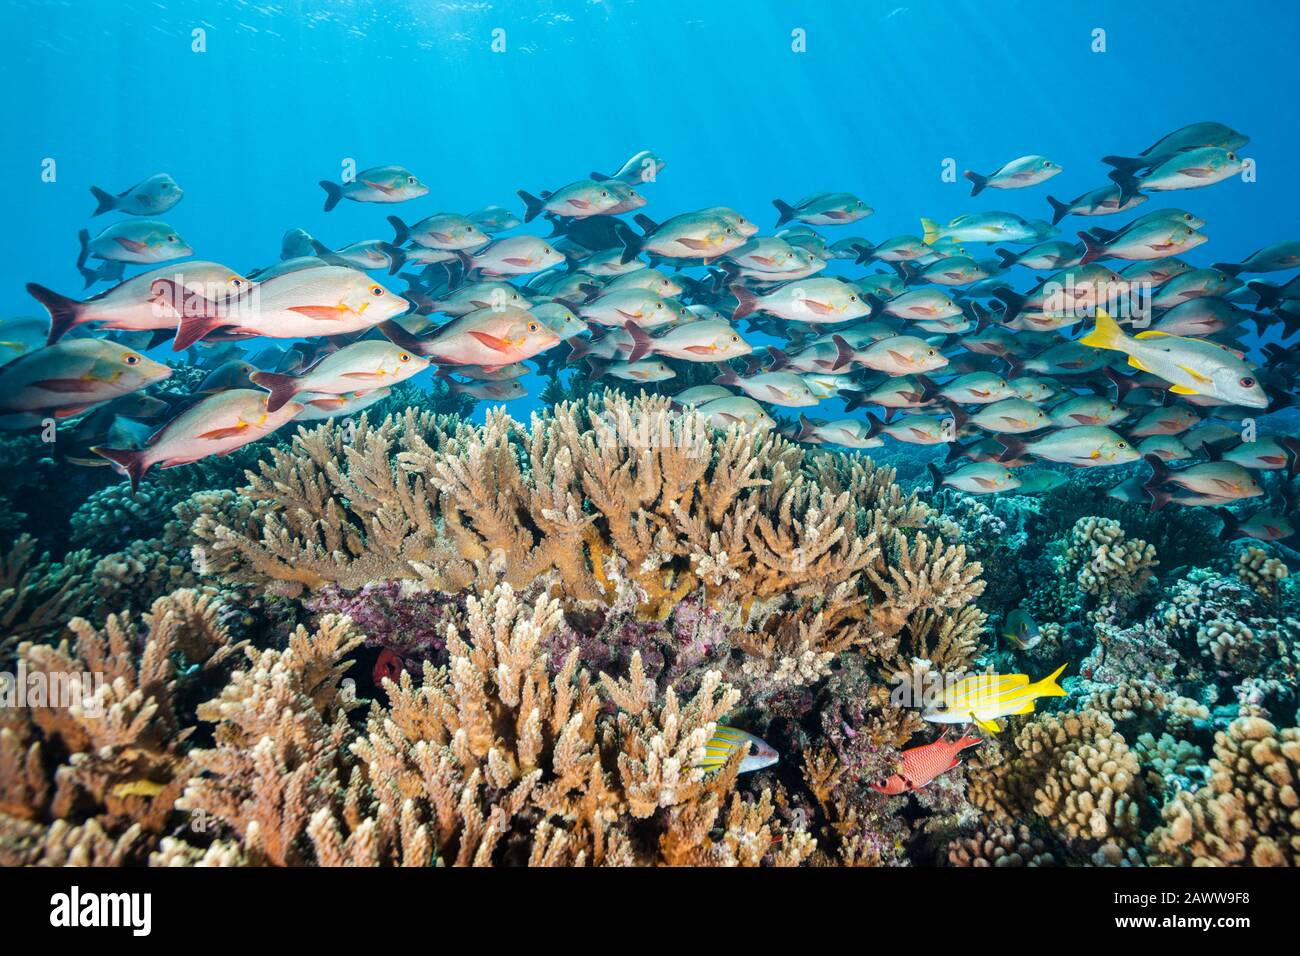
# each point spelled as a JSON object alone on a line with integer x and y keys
{"x": 1153, "y": 334}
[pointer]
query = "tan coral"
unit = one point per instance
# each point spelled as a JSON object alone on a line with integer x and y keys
{"x": 1249, "y": 812}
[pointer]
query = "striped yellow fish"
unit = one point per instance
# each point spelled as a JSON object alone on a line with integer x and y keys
{"x": 982, "y": 698}
{"x": 727, "y": 740}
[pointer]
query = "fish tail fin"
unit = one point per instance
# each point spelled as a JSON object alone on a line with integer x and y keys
{"x": 936, "y": 476}
{"x": 281, "y": 387}
{"x": 64, "y": 312}
{"x": 726, "y": 376}
{"x": 1106, "y": 334}
{"x": 855, "y": 399}
{"x": 779, "y": 359}
{"x": 1092, "y": 248}
{"x": 807, "y": 429}
{"x": 1231, "y": 268}
{"x": 978, "y": 182}
{"x": 874, "y": 425}
{"x": 843, "y": 352}
{"x": 397, "y": 334}
{"x": 532, "y": 205}
{"x": 1127, "y": 182}
{"x": 191, "y": 328}
{"x": 960, "y": 418}
{"x": 333, "y": 193}
{"x": 396, "y": 257}
{"x": 642, "y": 344}
{"x": 88, "y": 275}
{"x": 746, "y": 302}
{"x": 1048, "y": 687}
{"x": 785, "y": 210}
{"x": 1008, "y": 257}
{"x": 599, "y": 177}
{"x": 866, "y": 252}
{"x": 1230, "y": 523}
{"x": 129, "y": 461}
{"x": 1059, "y": 209}
{"x": 107, "y": 201}
{"x": 1013, "y": 447}
{"x": 929, "y": 230}
{"x": 401, "y": 232}
{"x": 578, "y": 347}
{"x": 1159, "y": 474}
{"x": 1125, "y": 164}
{"x": 1270, "y": 296}
{"x": 632, "y": 243}
{"x": 1014, "y": 302}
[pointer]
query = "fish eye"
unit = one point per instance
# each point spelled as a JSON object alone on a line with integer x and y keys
{"x": 532, "y": 326}
{"x": 404, "y": 357}
{"x": 929, "y": 352}
{"x": 735, "y": 338}
{"x": 1121, "y": 445}
{"x": 853, "y": 298}
{"x": 1232, "y": 155}
{"x": 171, "y": 238}
{"x": 376, "y": 290}
{"x": 131, "y": 359}
{"x": 1247, "y": 382}
{"x": 411, "y": 180}
{"x": 941, "y": 706}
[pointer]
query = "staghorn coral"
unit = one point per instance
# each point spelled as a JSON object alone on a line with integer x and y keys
{"x": 115, "y": 750}
{"x": 817, "y": 553}
{"x": 1249, "y": 811}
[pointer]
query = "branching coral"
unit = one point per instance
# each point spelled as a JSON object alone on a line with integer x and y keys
{"x": 818, "y": 552}
{"x": 115, "y": 748}
{"x": 37, "y": 596}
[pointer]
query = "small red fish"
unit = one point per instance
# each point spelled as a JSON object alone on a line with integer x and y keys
{"x": 389, "y": 665}
{"x": 922, "y": 764}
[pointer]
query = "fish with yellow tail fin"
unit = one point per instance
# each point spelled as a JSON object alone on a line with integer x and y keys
{"x": 982, "y": 698}
{"x": 727, "y": 740}
{"x": 1191, "y": 366}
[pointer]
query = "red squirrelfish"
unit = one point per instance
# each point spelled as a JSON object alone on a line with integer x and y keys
{"x": 922, "y": 764}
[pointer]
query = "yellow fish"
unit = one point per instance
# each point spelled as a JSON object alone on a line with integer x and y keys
{"x": 982, "y": 698}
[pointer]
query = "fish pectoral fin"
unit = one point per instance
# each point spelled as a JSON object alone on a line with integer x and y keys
{"x": 317, "y": 311}
{"x": 992, "y": 726}
{"x": 491, "y": 341}
{"x": 1196, "y": 376}
{"x": 1183, "y": 390}
{"x": 68, "y": 385}
{"x": 219, "y": 433}
{"x": 1134, "y": 363}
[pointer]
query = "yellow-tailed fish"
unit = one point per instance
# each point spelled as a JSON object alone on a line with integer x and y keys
{"x": 983, "y": 698}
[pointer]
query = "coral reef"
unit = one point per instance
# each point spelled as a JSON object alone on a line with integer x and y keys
{"x": 406, "y": 639}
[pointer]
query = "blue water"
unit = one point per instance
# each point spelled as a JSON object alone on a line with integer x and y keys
{"x": 285, "y": 92}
